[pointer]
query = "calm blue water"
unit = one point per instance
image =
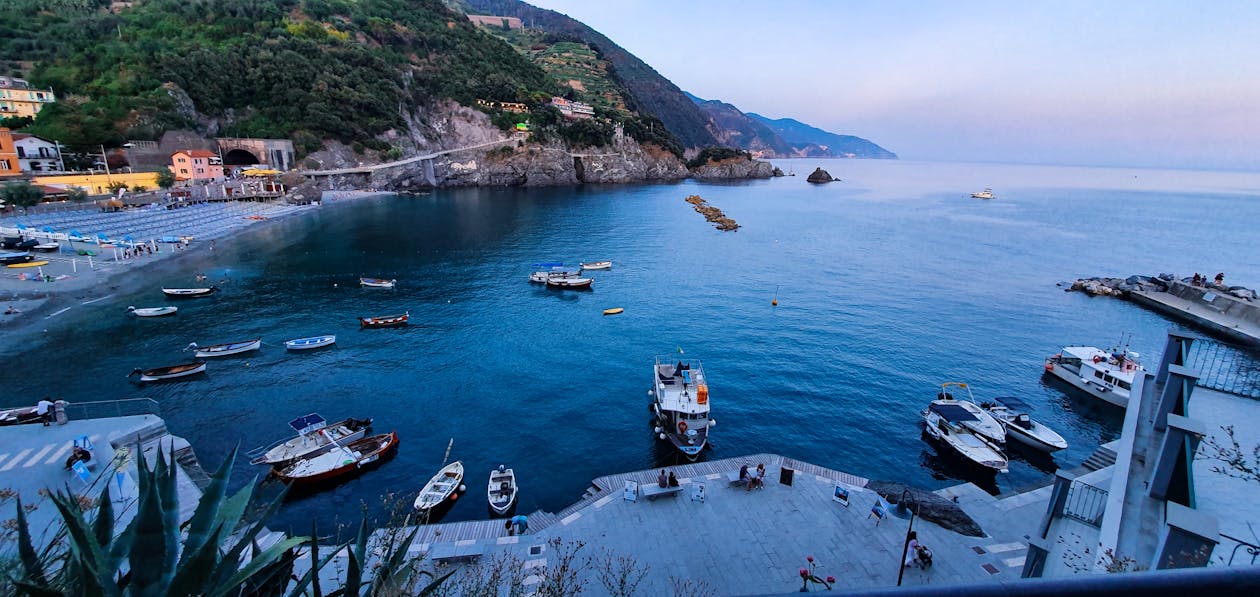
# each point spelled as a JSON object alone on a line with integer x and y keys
{"x": 888, "y": 284}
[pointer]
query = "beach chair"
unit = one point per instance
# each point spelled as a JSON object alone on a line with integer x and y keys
{"x": 81, "y": 471}
{"x": 879, "y": 511}
{"x": 83, "y": 442}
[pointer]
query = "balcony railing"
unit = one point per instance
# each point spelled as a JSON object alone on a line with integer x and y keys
{"x": 1086, "y": 503}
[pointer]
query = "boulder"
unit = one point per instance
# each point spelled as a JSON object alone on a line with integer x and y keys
{"x": 820, "y": 176}
{"x": 777, "y": 172}
{"x": 931, "y": 507}
{"x": 1166, "y": 277}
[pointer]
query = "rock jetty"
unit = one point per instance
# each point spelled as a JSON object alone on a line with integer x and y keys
{"x": 712, "y": 214}
{"x": 1121, "y": 287}
{"x": 820, "y": 176}
{"x": 1230, "y": 311}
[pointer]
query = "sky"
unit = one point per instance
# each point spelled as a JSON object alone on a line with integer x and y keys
{"x": 1115, "y": 83}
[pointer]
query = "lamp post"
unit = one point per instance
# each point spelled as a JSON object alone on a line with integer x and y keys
{"x": 901, "y": 511}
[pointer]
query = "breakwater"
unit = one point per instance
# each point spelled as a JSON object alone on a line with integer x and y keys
{"x": 1231, "y": 311}
{"x": 712, "y": 214}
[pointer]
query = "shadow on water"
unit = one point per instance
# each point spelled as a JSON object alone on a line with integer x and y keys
{"x": 1088, "y": 406}
{"x": 944, "y": 464}
{"x": 1031, "y": 456}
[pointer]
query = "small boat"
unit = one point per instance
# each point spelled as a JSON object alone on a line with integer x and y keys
{"x": 680, "y": 405}
{"x": 46, "y": 247}
{"x": 985, "y": 194}
{"x": 1106, "y": 375}
{"x": 542, "y": 276}
{"x": 569, "y": 282}
{"x": 8, "y": 258}
{"x": 501, "y": 490}
{"x": 28, "y": 264}
{"x": 340, "y": 460}
{"x": 613, "y": 311}
{"x": 314, "y": 436}
{"x": 385, "y": 321}
{"x": 441, "y": 487}
{"x": 20, "y": 416}
{"x": 152, "y": 311}
{"x": 169, "y": 372}
{"x": 86, "y": 252}
{"x": 377, "y": 282}
{"x": 309, "y": 343}
{"x": 188, "y": 292}
{"x": 597, "y": 265}
{"x": 223, "y": 350}
{"x": 1012, "y": 413}
{"x": 946, "y": 422}
{"x": 984, "y": 423}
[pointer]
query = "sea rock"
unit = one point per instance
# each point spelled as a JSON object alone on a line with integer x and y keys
{"x": 777, "y": 173}
{"x": 1166, "y": 277}
{"x": 820, "y": 176}
{"x": 931, "y": 507}
{"x": 733, "y": 169}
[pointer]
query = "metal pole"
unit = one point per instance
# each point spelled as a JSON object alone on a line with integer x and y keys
{"x": 61, "y": 163}
{"x": 905, "y": 547}
{"x": 105, "y": 159}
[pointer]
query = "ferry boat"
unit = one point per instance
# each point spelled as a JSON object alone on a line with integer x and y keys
{"x": 985, "y": 194}
{"x": 680, "y": 404}
{"x": 1105, "y": 375}
{"x": 984, "y": 424}
{"x": 946, "y": 421}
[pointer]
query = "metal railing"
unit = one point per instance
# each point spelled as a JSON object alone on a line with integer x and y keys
{"x": 104, "y": 409}
{"x": 1249, "y": 548}
{"x": 1086, "y": 503}
{"x": 1225, "y": 368}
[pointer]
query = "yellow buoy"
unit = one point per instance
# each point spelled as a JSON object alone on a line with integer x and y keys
{"x": 613, "y": 311}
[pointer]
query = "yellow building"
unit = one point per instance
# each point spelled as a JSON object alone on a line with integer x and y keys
{"x": 9, "y": 165}
{"x": 98, "y": 184}
{"x": 17, "y": 98}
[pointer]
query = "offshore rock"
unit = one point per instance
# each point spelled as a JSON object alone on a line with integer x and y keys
{"x": 734, "y": 168}
{"x": 820, "y": 176}
{"x": 931, "y": 507}
{"x": 777, "y": 172}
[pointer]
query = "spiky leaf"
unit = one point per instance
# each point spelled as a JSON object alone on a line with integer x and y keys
{"x": 205, "y": 518}
{"x": 165, "y": 479}
{"x": 196, "y": 568}
{"x": 430, "y": 588}
{"x": 256, "y": 564}
{"x": 103, "y": 526}
{"x": 31, "y": 565}
{"x": 148, "y": 552}
{"x": 84, "y": 550}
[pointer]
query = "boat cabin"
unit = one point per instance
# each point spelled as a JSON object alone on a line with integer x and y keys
{"x": 682, "y": 403}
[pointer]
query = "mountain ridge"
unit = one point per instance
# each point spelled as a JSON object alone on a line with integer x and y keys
{"x": 794, "y": 131}
{"x": 783, "y": 137}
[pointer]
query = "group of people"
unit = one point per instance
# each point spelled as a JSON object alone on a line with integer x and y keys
{"x": 667, "y": 481}
{"x": 11, "y": 310}
{"x": 753, "y": 479}
{"x": 1198, "y": 280}
{"x": 917, "y": 554}
{"x": 138, "y": 250}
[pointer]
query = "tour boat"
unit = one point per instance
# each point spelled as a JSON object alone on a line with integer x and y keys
{"x": 680, "y": 405}
{"x": 557, "y": 282}
{"x": 1102, "y": 374}
{"x": 597, "y": 265}
{"x": 441, "y": 487}
{"x": 377, "y": 282}
{"x": 152, "y": 311}
{"x": 385, "y": 321}
{"x": 501, "y": 490}
{"x": 223, "y": 350}
{"x": 946, "y": 422}
{"x": 340, "y": 460}
{"x": 1012, "y": 413}
{"x": 985, "y": 194}
{"x": 984, "y": 424}
{"x": 46, "y": 247}
{"x": 188, "y": 292}
{"x": 314, "y": 436}
{"x": 169, "y": 372}
{"x": 8, "y": 258}
{"x": 309, "y": 343}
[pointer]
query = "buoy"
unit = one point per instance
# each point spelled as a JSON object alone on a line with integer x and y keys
{"x": 613, "y": 311}
{"x": 774, "y": 302}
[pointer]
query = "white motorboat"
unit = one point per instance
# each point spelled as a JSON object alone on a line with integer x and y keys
{"x": 1102, "y": 374}
{"x": 152, "y": 311}
{"x": 47, "y": 247}
{"x": 1012, "y": 413}
{"x": 984, "y": 424}
{"x": 946, "y": 422}
{"x": 680, "y": 404}
{"x": 188, "y": 292}
{"x": 314, "y": 436}
{"x": 985, "y": 194}
{"x": 575, "y": 283}
{"x": 501, "y": 490}
{"x": 309, "y": 343}
{"x": 441, "y": 487}
{"x": 597, "y": 265}
{"x": 542, "y": 276}
{"x": 223, "y": 350}
{"x": 169, "y": 372}
{"x": 377, "y": 282}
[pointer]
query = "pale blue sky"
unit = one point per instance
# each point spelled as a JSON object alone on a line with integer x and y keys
{"x": 1069, "y": 82}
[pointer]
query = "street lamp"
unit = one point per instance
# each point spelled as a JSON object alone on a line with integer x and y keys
{"x": 901, "y": 511}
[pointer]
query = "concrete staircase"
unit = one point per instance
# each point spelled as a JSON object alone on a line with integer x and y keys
{"x": 1102, "y": 458}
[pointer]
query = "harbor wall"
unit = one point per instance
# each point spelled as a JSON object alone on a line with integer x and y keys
{"x": 1233, "y": 318}
{"x": 1220, "y": 302}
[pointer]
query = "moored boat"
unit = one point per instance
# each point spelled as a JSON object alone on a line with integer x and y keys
{"x": 48, "y": 247}
{"x": 342, "y": 459}
{"x": 309, "y": 343}
{"x": 597, "y": 265}
{"x": 1106, "y": 375}
{"x": 501, "y": 490}
{"x": 1012, "y": 413}
{"x": 984, "y": 424}
{"x": 153, "y": 311}
{"x": 985, "y": 194}
{"x": 14, "y": 257}
{"x": 680, "y": 405}
{"x": 314, "y": 436}
{"x": 613, "y": 311}
{"x": 542, "y": 276}
{"x": 441, "y": 487}
{"x": 385, "y": 321}
{"x": 377, "y": 282}
{"x": 169, "y": 372}
{"x": 188, "y": 292}
{"x": 573, "y": 283}
{"x": 223, "y": 350}
{"x": 946, "y": 422}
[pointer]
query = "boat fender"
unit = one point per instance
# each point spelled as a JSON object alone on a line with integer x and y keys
{"x": 463, "y": 487}
{"x": 682, "y": 427}
{"x": 1049, "y": 366}
{"x": 712, "y": 422}
{"x": 662, "y": 436}
{"x": 658, "y": 429}
{"x": 1097, "y": 359}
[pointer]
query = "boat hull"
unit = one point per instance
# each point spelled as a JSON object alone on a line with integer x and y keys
{"x": 570, "y": 283}
{"x": 154, "y": 311}
{"x": 441, "y": 487}
{"x": 231, "y": 348}
{"x": 382, "y": 446}
{"x": 501, "y": 501}
{"x": 597, "y": 265}
{"x": 386, "y": 321}
{"x": 1016, "y": 433}
{"x": 172, "y": 372}
{"x": 310, "y": 343}
{"x": 376, "y": 283}
{"x": 188, "y": 292}
{"x": 298, "y": 447}
{"x": 1085, "y": 385}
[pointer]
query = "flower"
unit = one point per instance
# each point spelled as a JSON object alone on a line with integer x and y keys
{"x": 804, "y": 573}
{"x": 809, "y": 559}
{"x": 831, "y": 579}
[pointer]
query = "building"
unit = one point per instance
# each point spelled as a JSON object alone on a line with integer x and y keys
{"x": 273, "y": 154}
{"x": 571, "y": 109}
{"x": 8, "y": 155}
{"x": 17, "y": 98}
{"x": 36, "y": 154}
{"x": 496, "y": 21}
{"x": 514, "y": 107}
{"x": 97, "y": 184}
{"x": 196, "y": 165}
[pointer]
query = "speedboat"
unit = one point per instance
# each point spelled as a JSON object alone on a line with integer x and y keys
{"x": 48, "y": 247}
{"x": 314, "y": 436}
{"x": 984, "y": 424}
{"x": 1099, "y": 373}
{"x": 309, "y": 343}
{"x": 501, "y": 490}
{"x": 7, "y": 258}
{"x": 680, "y": 405}
{"x": 441, "y": 487}
{"x": 377, "y": 282}
{"x": 385, "y": 321}
{"x": 342, "y": 459}
{"x": 946, "y": 422}
{"x": 597, "y": 265}
{"x": 152, "y": 311}
{"x": 1012, "y": 413}
{"x": 169, "y": 372}
{"x": 575, "y": 283}
{"x": 188, "y": 292}
{"x": 223, "y": 350}
{"x": 985, "y": 194}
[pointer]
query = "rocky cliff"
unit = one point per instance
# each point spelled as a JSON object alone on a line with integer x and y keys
{"x": 733, "y": 169}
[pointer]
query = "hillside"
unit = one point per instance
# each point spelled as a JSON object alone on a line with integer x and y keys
{"x": 800, "y": 134}
{"x": 733, "y": 128}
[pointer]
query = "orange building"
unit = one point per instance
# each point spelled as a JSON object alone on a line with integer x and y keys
{"x": 196, "y": 164}
{"x": 8, "y": 155}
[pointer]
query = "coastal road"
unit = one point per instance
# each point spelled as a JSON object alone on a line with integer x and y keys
{"x": 402, "y": 162}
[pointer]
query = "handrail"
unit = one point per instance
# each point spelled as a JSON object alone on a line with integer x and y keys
{"x": 103, "y": 409}
{"x": 1086, "y": 503}
{"x": 1252, "y": 549}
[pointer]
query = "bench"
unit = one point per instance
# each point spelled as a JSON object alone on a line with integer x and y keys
{"x": 654, "y": 490}
{"x": 733, "y": 479}
{"x": 454, "y": 553}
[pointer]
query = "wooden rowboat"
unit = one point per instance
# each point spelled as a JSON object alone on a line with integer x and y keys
{"x": 385, "y": 321}
{"x": 309, "y": 343}
{"x": 377, "y": 282}
{"x": 569, "y": 282}
{"x": 188, "y": 292}
{"x": 613, "y": 311}
{"x": 441, "y": 487}
{"x": 501, "y": 490}
{"x": 223, "y": 350}
{"x": 597, "y": 265}
{"x": 152, "y": 311}
{"x": 341, "y": 460}
{"x": 169, "y": 372}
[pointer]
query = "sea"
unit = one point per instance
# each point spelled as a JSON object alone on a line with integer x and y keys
{"x": 888, "y": 283}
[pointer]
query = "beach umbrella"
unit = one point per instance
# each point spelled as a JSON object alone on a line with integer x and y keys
{"x": 76, "y": 233}
{"x": 48, "y": 229}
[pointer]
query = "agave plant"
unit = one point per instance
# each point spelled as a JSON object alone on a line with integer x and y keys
{"x": 148, "y": 557}
{"x": 392, "y": 574}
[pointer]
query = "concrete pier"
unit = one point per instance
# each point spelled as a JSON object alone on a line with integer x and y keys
{"x": 1231, "y": 317}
